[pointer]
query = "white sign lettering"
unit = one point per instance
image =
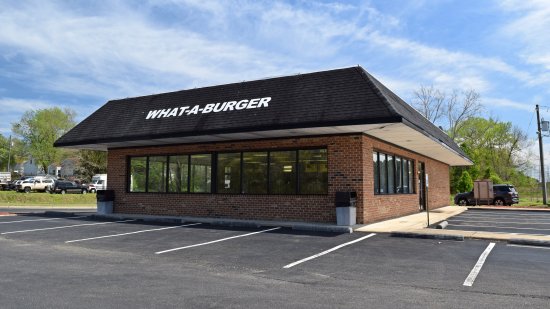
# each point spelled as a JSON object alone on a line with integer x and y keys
{"x": 208, "y": 108}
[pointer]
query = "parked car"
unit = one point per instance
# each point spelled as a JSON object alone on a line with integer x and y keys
{"x": 35, "y": 184}
{"x": 63, "y": 186}
{"x": 504, "y": 194}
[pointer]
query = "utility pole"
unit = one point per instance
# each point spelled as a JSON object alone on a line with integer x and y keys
{"x": 9, "y": 156}
{"x": 542, "y": 174}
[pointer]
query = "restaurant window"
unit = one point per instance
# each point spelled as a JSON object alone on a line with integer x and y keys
{"x": 178, "y": 174}
{"x": 398, "y": 175}
{"x": 255, "y": 172}
{"x": 156, "y": 177}
{"x": 282, "y": 172}
{"x": 376, "y": 172}
{"x": 392, "y": 174}
{"x": 313, "y": 171}
{"x": 138, "y": 174}
{"x": 383, "y": 180}
{"x": 229, "y": 173}
{"x": 201, "y": 172}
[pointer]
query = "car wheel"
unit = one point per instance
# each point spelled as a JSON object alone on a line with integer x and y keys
{"x": 463, "y": 202}
{"x": 63, "y": 192}
{"x": 27, "y": 189}
{"x": 499, "y": 202}
{"x": 92, "y": 191}
{"x": 84, "y": 191}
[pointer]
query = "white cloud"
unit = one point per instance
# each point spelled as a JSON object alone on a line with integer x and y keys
{"x": 529, "y": 27}
{"x": 501, "y": 102}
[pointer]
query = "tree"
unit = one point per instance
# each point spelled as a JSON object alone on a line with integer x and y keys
{"x": 451, "y": 111}
{"x": 39, "y": 129}
{"x": 91, "y": 162}
{"x": 430, "y": 102}
{"x": 494, "y": 145}
{"x": 465, "y": 184}
{"x": 459, "y": 110}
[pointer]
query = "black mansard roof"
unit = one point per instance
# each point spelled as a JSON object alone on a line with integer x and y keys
{"x": 328, "y": 102}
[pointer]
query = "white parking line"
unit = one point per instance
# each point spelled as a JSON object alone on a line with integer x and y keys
{"x": 527, "y": 246}
{"x": 501, "y": 227}
{"x": 63, "y": 227}
{"x": 500, "y": 222}
{"x": 510, "y": 215}
{"x": 328, "y": 251}
{"x": 19, "y": 221}
{"x": 130, "y": 233}
{"x": 477, "y": 268}
{"x": 215, "y": 241}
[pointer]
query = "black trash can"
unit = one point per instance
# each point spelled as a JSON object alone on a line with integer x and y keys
{"x": 105, "y": 199}
{"x": 346, "y": 212}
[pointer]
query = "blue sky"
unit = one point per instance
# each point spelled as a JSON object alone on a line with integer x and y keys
{"x": 80, "y": 54}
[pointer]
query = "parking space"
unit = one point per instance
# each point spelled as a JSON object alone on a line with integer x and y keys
{"x": 503, "y": 221}
{"x": 281, "y": 260}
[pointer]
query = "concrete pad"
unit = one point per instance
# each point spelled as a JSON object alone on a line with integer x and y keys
{"x": 416, "y": 221}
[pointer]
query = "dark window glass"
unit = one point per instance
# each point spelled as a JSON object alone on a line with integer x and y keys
{"x": 229, "y": 172}
{"x": 157, "y": 174}
{"x": 391, "y": 175}
{"x": 282, "y": 172}
{"x": 178, "y": 174}
{"x": 406, "y": 188}
{"x": 398, "y": 175}
{"x": 201, "y": 171}
{"x": 383, "y": 174}
{"x": 138, "y": 170}
{"x": 411, "y": 177}
{"x": 255, "y": 172}
{"x": 313, "y": 171}
{"x": 376, "y": 174}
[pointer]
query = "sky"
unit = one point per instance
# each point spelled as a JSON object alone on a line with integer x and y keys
{"x": 80, "y": 54}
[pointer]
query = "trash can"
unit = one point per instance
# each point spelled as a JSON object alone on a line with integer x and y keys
{"x": 346, "y": 213}
{"x": 105, "y": 199}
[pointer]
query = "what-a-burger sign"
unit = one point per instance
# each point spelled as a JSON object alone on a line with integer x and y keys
{"x": 208, "y": 108}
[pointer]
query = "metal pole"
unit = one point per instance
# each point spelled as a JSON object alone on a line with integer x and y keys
{"x": 427, "y": 207}
{"x": 9, "y": 157}
{"x": 542, "y": 174}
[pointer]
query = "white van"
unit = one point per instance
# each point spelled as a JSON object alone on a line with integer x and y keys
{"x": 99, "y": 182}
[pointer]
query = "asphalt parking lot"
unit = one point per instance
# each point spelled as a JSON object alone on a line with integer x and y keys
{"x": 502, "y": 221}
{"x": 78, "y": 262}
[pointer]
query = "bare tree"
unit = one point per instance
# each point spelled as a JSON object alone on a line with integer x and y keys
{"x": 430, "y": 102}
{"x": 453, "y": 109}
{"x": 459, "y": 110}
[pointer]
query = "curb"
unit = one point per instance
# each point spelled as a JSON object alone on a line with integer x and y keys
{"x": 427, "y": 236}
{"x": 529, "y": 242}
{"x": 233, "y": 223}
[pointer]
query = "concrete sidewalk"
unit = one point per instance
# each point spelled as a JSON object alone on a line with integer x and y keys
{"x": 415, "y": 226}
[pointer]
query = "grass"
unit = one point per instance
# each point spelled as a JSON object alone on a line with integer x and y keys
{"x": 524, "y": 202}
{"x": 12, "y": 198}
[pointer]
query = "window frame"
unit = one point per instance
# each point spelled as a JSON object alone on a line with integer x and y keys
{"x": 378, "y": 177}
{"x": 214, "y": 171}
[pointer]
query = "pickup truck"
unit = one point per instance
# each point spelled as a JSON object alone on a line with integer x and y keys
{"x": 5, "y": 178}
{"x": 35, "y": 184}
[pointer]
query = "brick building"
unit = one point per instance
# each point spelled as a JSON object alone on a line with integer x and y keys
{"x": 272, "y": 149}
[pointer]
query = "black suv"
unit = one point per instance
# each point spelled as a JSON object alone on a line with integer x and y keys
{"x": 63, "y": 186}
{"x": 503, "y": 195}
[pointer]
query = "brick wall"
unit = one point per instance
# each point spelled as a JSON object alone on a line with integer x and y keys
{"x": 315, "y": 208}
{"x": 349, "y": 169}
{"x": 382, "y": 207}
